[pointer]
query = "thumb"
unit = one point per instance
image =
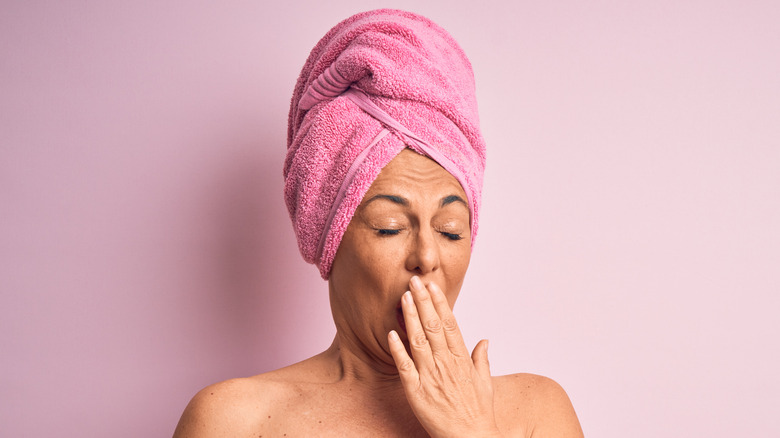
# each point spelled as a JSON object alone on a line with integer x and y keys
{"x": 480, "y": 359}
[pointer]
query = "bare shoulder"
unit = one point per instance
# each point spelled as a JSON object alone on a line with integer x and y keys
{"x": 536, "y": 405}
{"x": 241, "y": 407}
{"x": 231, "y": 408}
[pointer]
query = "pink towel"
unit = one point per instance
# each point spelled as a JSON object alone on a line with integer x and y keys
{"x": 378, "y": 82}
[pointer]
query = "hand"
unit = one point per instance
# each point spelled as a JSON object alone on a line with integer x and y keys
{"x": 450, "y": 392}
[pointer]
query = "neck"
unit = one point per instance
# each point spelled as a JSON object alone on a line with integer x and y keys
{"x": 373, "y": 385}
{"x": 358, "y": 365}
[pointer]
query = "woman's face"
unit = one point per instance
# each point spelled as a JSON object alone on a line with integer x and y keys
{"x": 414, "y": 220}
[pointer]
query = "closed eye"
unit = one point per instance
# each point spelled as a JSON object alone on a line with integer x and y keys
{"x": 387, "y": 232}
{"x": 451, "y": 236}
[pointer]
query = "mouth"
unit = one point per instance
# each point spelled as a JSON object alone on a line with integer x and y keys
{"x": 399, "y": 315}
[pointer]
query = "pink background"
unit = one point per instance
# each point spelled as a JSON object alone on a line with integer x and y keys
{"x": 630, "y": 243}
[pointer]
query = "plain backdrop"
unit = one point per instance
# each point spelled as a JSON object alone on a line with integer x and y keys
{"x": 629, "y": 244}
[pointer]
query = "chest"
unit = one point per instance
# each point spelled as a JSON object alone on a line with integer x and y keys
{"x": 339, "y": 415}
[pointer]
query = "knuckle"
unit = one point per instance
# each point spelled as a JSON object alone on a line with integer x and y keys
{"x": 433, "y": 325}
{"x": 449, "y": 324}
{"x": 406, "y": 366}
{"x": 419, "y": 341}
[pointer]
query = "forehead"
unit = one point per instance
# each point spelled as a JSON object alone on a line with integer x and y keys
{"x": 411, "y": 174}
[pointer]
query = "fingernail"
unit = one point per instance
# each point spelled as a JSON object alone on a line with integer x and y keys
{"x": 416, "y": 282}
{"x": 408, "y": 297}
{"x": 394, "y": 336}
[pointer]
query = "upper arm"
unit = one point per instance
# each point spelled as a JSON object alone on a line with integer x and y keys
{"x": 534, "y": 406}
{"x": 226, "y": 409}
{"x": 555, "y": 416}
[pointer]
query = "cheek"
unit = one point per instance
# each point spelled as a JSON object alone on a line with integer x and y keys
{"x": 456, "y": 266}
{"x": 366, "y": 265}
{"x": 458, "y": 258}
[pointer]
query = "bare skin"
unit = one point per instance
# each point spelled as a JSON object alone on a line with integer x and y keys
{"x": 386, "y": 374}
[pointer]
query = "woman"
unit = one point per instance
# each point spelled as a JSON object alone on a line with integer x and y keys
{"x": 383, "y": 180}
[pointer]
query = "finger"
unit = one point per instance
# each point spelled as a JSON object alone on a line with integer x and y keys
{"x": 406, "y": 370}
{"x": 418, "y": 340}
{"x": 429, "y": 317}
{"x": 480, "y": 358}
{"x": 449, "y": 324}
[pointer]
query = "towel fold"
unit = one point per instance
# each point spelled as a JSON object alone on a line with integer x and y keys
{"x": 378, "y": 82}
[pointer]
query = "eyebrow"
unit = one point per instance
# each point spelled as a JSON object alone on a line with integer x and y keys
{"x": 392, "y": 198}
{"x": 453, "y": 198}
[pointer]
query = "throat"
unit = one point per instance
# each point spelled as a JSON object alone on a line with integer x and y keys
{"x": 359, "y": 366}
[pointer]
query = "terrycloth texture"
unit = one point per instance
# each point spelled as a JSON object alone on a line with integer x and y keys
{"x": 376, "y": 83}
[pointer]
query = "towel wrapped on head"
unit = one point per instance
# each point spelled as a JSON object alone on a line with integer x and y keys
{"x": 378, "y": 82}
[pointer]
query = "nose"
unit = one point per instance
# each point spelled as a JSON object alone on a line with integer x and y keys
{"x": 423, "y": 253}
